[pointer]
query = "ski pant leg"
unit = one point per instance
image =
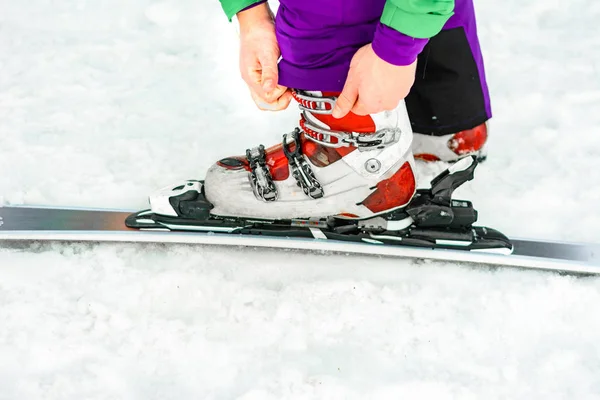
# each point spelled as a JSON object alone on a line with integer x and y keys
{"x": 450, "y": 93}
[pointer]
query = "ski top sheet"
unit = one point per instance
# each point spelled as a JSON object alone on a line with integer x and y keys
{"x": 31, "y": 224}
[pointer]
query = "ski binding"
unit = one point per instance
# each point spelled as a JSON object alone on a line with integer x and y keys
{"x": 431, "y": 220}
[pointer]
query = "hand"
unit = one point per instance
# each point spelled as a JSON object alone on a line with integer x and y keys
{"x": 373, "y": 85}
{"x": 259, "y": 53}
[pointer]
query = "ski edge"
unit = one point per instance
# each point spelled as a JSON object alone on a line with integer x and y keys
{"x": 486, "y": 257}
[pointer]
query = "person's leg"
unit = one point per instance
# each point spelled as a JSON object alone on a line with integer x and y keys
{"x": 356, "y": 166}
{"x": 449, "y": 103}
{"x": 318, "y": 39}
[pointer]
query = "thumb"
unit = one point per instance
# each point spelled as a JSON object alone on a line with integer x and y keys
{"x": 346, "y": 99}
{"x": 269, "y": 76}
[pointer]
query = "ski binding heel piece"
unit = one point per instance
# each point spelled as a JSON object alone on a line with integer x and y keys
{"x": 435, "y": 207}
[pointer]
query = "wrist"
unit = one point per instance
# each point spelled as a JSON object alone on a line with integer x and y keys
{"x": 256, "y": 14}
{"x": 396, "y": 48}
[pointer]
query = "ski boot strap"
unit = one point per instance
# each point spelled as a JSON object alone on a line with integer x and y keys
{"x": 313, "y": 104}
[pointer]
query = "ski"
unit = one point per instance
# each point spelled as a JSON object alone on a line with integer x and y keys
{"x": 33, "y": 224}
{"x": 433, "y": 226}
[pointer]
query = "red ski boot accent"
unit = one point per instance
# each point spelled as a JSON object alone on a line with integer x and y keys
{"x": 451, "y": 147}
{"x": 318, "y": 154}
{"x": 313, "y": 105}
{"x": 276, "y": 161}
{"x": 469, "y": 141}
{"x": 234, "y": 163}
{"x": 347, "y": 215}
{"x": 349, "y": 123}
{"x": 393, "y": 192}
{"x": 427, "y": 157}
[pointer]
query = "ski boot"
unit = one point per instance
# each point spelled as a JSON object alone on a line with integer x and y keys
{"x": 432, "y": 219}
{"x": 452, "y": 147}
{"x": 349, "y": 179}
{"x": 355, "y": 167}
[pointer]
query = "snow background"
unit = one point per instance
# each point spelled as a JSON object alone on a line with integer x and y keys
{"x": 103, "y": 102}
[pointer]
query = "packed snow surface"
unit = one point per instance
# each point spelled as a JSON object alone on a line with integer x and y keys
{"x": 101, "y": 103}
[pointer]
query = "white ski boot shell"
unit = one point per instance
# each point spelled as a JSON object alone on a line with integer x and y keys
{"x": 354, "y": 167}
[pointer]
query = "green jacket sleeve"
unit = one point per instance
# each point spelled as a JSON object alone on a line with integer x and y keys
{"x": 232, "y": 7}
{"x": 417, "y": 18}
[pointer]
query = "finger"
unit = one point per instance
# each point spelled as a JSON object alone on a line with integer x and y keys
{"x": 346, "y": 99}
{"x": 269, "y": 74}
{"x": 276, "y": 93}
{"x": 252, "y": 76}
{"x": 260, "y": 102}
{"x": 272, "y": 97}
{"x": 278, "y": 104}
{"x": 284, "y": 100}
{"x": 361, "y": 108}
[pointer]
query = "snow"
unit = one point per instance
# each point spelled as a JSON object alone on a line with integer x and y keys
{"x": 102, "y": 103}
